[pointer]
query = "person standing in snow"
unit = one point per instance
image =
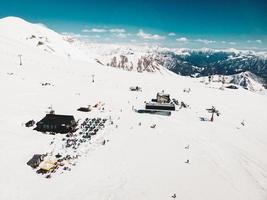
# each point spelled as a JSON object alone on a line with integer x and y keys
{"x": 20, "y": 59}
{"x": 93, "y": 78}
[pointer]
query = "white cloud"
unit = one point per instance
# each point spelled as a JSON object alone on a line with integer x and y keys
{"x": 149, "y": 36}
{"x": 74, "y": 35}
{"x": 66, "y": 33}
{"x": 232, "y": 43}
{"x": 95, "y": 30}
{"x": 205, "y": 41}
{"x": 182, "y": 39}
{"x": 95, "y": 36}
{"x": 254, "y": 41}
{"x": 117, "y": 30}
{"x": 104, "y": 30}
{"x": 121, "y": 35}
{"x": 172, "y": 34}
{"x": 85, "y": 30}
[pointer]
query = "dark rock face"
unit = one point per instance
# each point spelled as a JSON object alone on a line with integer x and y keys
{"x": 203, "y": 63}
{"x": 195, "y": 63}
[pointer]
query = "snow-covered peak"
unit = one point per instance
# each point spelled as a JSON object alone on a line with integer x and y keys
{"x": 12, "y": 19}
{"x": 38, "y": 36}
{"x": 248, "y": 81}
{"x": 17, "y": 28}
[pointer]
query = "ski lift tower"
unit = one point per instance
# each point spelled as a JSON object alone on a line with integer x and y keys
{"x": 213, "y": 111}
{"x": 20, "y": 59}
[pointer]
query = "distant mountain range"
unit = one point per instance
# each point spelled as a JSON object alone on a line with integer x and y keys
{"x": 185, "y": 62}
{"x": 207, "y": 62}
{"x": 246, "y": 80}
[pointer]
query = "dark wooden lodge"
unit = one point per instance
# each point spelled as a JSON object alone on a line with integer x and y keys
{"x": 56, "y": 124}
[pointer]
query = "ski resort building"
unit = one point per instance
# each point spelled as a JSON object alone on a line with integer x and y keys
{"x": 162, "y": 102}
{"x": 57, "y": 124}
{"x": 163, "y": 98}
{"x": 160, "y": 106}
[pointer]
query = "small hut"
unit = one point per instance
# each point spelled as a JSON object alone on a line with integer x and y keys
{"x": 163, "y": 98}
{"x": 48, "y": 165}
{"x": 136, "y": 88}
{"x": 30, "y": 123}
{"x": 36, "y": 160}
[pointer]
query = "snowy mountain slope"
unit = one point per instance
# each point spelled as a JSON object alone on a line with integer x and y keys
{"x": 227, "y": 159}
{"x": 186, "y": 62}
{"x": 138, "y": 58}
{"x": 127, "y": 57}
{"x": 38, "y": 36}
{"x": 246, "y": 80}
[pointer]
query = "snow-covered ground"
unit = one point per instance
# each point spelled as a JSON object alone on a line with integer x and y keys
{"x": 226, "y": 159}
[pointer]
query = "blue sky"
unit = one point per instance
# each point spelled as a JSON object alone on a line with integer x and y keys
{"x": 175, "y": 23}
